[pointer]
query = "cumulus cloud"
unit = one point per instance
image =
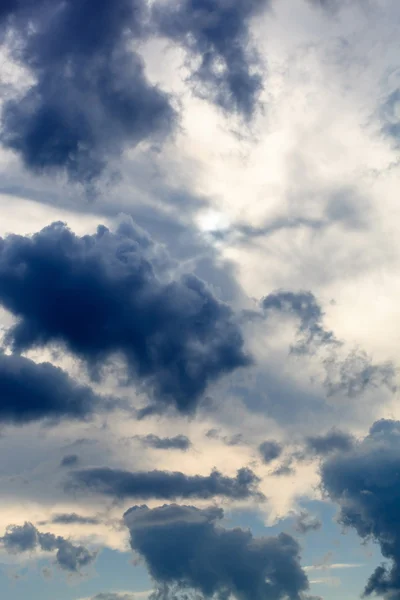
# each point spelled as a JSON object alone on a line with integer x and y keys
{"x": 178, "y": 442}
{"x": 216, "y": 36}
{"x": 24, "y": 538}
{"x": 164, "y": 484}
{"x": 365, "y": 483}
{"x": 32, "y": 391}
{"x": 90, "y": 96}
{"x": 186, "y": 547}
{"x": 111, "y": 293}
{"x": 270, "y": 450}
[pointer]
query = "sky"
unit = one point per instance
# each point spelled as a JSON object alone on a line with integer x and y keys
{"x": 199, "y": 316}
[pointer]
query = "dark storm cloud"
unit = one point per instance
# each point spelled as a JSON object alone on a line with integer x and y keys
{"x": 365, "y": 482}
{"x": 184, "y": 546}
{"x": 270, "y": 450}
{"x": 90, "y": 96}
{"x": 304, "y": 523}
{"x": 215, "y": 34}
{"x": 32, "y": 391}
{"x": 111, "y": 293}
{"x": 333, "y": 440}
{"x": 25, "y": 538}
{"x": 179, "y": 442}
{"x": 164, "y": 484}
{"x": 70, "y": 460}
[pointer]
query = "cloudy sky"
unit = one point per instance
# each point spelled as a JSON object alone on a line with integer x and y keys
{"x": 199, "y": 284}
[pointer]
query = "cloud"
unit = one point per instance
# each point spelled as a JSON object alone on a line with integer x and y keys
{"x": 366, "y": 485}
{"x": 90, "y": 96}
{"x": 356, "y": 373}
{"x": 216, "y": 37}
{"x": 112, "y": 294}
{"x": 73, "y": 519}
{"x": 270, "y": 450}
{"x": 230, "y": 440}
{"x": 70, "y": 460}
{"x": 164, "y": 484}
{"x": 352, "y": 374}
{"x": 32, "y": 391}
{"x": 184, "y": 546}
{"x": 178, "y": 442}
{"x": 322, "y": 445}
{"x": 18, "y": 539}
{"x": 304, "y": 306}
{"x": 114, "y": 596}
{"x": 304, "y": 523}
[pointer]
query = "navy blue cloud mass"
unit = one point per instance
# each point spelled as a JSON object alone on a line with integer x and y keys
{"x": 216, "y": 34}
{"x": 112, "y": 294}
{"x": 25, "y": 538}
{"x": 90, "y": 96}
{"x": 165, "y": 485}
{"x": 186, "y": 549}
{"x": 365, "y": 482}
{"x": 32, "y": 391}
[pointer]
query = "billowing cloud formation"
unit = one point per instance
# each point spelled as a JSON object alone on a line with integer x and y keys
{"x": 178, "y": 442}
{"x": 365, "y": 482}
{"x": 25, "y": 538}
{"x": 90, "y": 95}
{"x": 304, "y": 306}
{"x": 216, "y": 34}
{"x": 321, "y": 445}
{"x": 110, "y": 293}
{"x": 32, "y": 391}
{"x": 304, "y": 523}
{"x": 270, "y": 450}
{"x": 185, "y": 546}
{"x": 164, "y": 484}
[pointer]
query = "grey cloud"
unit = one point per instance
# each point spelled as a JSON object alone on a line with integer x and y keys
{"x": 178, "y": 442}
{"x": 365, "y": 483}
{"x": 32, "y": 391}
{"x": 70, "y": 460}
{"x": 270, "y": 450}
{"x": 333, "y": 440}
{"x": 304, "y": 523}
{"x": 185, "y": 548}
{"x": 25, "y": 538}
{"x": 164, "y": 484}
{"x": 217, "y": 34}
{"x": 114, "y": 293}
{"x": 91, "y": 96}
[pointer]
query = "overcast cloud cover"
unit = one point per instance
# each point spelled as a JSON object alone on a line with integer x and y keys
{"x": 199, "y": 283}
